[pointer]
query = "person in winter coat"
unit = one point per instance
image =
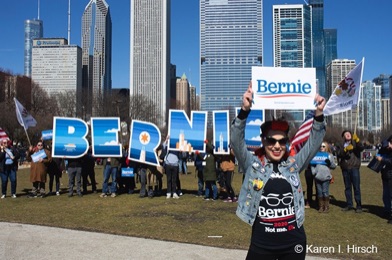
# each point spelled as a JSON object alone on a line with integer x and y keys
{"x": 321, "y": 169}
{"x": 9, "y": 156}
{"x": 385, "y": 156}
{"x": 209, "y": 173}
{"x": 349, "y": 156}
{"x": 40, "y": 158}
{"x": 271, "y": 199}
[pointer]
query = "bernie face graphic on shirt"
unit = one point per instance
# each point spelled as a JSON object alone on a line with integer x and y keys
{"x": 276, "y": 209}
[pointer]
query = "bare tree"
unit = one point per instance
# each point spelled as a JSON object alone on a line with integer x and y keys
{"x": 142, "y": 108}
{"x": 66, "y": 102}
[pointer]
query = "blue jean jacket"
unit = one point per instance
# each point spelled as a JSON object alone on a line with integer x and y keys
{"x": 249, "y": 198}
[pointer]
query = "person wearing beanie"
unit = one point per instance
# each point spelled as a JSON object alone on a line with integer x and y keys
{"x": 349, "y": 155}
{"x": 271, "y": 199}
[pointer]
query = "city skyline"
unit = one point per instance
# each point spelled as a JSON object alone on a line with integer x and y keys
{"x": 357, "y": 37}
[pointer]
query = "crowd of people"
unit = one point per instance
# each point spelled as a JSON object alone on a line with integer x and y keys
{"x": 271, "y": 198}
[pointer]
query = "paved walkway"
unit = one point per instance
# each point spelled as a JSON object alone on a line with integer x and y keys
{"x": 22, "y": 241}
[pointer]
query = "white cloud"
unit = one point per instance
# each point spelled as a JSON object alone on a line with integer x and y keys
{"x": 256, "y": 138}
{"x": 255, "y": 122}
{"x": 113, "y": 130}
{"x": 113, "y": 142}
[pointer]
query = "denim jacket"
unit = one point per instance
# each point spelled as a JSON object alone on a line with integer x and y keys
{"x": 249, "y": 198}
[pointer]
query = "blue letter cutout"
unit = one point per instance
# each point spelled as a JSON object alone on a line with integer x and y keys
{"x": 252, "y": 128}
{"x": 144, "y": 140}
{"x": 221, "y": 132}
{"x": 69, "y": 137}
{"x": 104, "y": 137}
{"x": 184, "y": 135}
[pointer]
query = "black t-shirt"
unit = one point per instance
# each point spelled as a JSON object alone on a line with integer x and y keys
{"x": 275, "y": 226}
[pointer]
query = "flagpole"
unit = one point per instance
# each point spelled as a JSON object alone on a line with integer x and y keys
{"x": 28, "y": 139}
{"x": 359, "y": 97}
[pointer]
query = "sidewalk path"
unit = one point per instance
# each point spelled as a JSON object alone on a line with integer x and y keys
{"x": 22, "y": 241}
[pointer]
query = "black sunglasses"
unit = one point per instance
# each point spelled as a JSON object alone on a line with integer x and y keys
{"x": 271, "y": 141}
{"x": 323, "y": 146}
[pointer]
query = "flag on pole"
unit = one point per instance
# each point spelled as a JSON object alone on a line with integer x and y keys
{"x": 24, "y": 118}
{"x": 303, "y": 133}
{"x": 346, "y": 94}
{"x": 3, "y": 135}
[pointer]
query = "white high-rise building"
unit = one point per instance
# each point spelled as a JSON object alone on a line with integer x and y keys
{"x": 57, "y": 66}
{"x": 150, "y": 53}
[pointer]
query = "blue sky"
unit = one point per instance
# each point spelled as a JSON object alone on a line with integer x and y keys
{"x": 363, "y": 31}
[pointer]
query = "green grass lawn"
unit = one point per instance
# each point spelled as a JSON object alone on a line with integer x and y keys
{"x": 191, "y": 219}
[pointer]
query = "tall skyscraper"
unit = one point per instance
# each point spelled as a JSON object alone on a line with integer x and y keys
{"x": 183, "y": 94}
{"x": 150, "y": 53}
{"x": 292, "y": 36}
{"x": 292, "y": 43}
{"x": 336, "y": 71}
{"x": 231, "y": 42}
{"x": 96, "y": 55}
{"x": 32, "y": 29}
{"x": 57, "y": 67}
{"x": 384, "y": 80}
{"x": 318, "y": 42}
{"x": 192, "y": 97}
{"x": 330, "y": 46}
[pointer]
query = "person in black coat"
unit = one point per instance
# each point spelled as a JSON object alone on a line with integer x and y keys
{"x": 9, "y": 156}
{"x": 385, "y": 156}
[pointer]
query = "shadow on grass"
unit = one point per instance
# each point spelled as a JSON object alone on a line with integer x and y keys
{"x": 372, "y": 209}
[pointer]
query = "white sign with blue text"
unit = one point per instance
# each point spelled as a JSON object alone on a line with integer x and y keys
{"x": 283, "y": 88}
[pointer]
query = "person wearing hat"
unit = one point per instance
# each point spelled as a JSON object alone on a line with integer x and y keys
{"x": 349, "y": 155}
{"x": 271, "y": 198}
{"x": 385, "y": 156}
{"x": 9, "y": 156}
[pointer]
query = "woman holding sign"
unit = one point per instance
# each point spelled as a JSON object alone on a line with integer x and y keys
{"x": 40, "y": 158}
{"x": 321, "y": 165}
{"x": 271, "y": 198}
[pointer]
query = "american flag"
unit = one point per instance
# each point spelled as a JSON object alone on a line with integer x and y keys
{"x": 3, "y": 135}
{"x": 302, "y": 135}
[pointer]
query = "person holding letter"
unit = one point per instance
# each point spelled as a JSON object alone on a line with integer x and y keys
{"x": 271, "y": 197}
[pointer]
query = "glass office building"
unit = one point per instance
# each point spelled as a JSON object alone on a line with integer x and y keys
{"x": 318, "y": 42}
{"x": 231, "y": 42}
{"x": 292, "y": 43}
{"x": 330, "y": 46}
{"x": 292, "y": 36}
{"x": 33, "y": 29}
{"x": 383, "y": 81}
{"x": 96, "y": 54}
{"x": 370, "y": 112}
